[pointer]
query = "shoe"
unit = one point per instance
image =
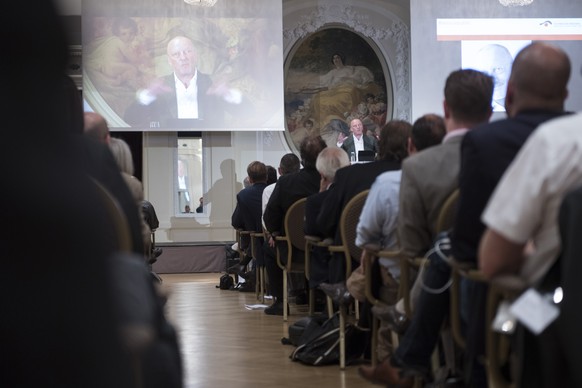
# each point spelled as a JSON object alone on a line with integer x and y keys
{"x": 275, "y": 309}
{"x": 385, "y": 374}
{"x": 338, "y": 292}
{"x": 394, "y": 319}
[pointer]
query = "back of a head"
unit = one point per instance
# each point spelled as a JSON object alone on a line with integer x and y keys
{"x": 393, "y": 143}
{"x": 271, "y": 175}
{"x": 468, "y": 95}
{"x": 95, "y": 126}
{"x": 310, "y": 147}
{"x": 257, "y": 172}
{"x": 122, "y": 154}
{"x": 289, "y": 163}
{"x": 427, "y": 131}
{"x": 330, "y": 160}
{"x": 539, "y": 77}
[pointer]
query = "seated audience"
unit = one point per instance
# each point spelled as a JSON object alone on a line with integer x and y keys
{"x": 247, "y": 214}
{"x": 288, "y": 189}
{"x": 428, "y": 178}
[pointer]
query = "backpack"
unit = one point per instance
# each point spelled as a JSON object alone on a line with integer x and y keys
{"x": 226, "y": 282}
{"x": 319, "y": 344}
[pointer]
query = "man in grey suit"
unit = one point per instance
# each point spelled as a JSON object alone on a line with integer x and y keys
{"x": 358, "y": 141}
{"x": 428, "y": 178}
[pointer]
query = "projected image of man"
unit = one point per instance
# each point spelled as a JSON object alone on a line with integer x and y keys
{"x": 186, "y": 97}
{"x": 496, "y": 60}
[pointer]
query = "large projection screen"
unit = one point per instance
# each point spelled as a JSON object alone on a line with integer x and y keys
{"x": 181, "y": 65}
{"x": 447, "y": 35}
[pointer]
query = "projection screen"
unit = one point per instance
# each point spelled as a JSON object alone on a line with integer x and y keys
{"x": 181, "y": 65}
{"x": 451, "y": 34}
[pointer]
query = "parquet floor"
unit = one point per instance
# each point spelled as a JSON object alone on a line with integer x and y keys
{"x": 224, "y": 345}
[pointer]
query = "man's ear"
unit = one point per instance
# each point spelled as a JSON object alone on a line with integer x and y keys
{"x": 411, "y": 147}
{"x": 446, "y": 110}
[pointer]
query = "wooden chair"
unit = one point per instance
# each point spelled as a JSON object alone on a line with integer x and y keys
{"x": 294, "y": 239}
{"x": 348, "y": 227}
{"x": 115, "y": 213}
{"x": 310, "y": 242}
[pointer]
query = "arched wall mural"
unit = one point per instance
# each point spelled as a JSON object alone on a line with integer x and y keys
{"x": 367, "y": 37}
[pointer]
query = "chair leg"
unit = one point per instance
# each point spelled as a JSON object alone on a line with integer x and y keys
{"x": 311, "y": 302}
{"x": 342, "y": 336}
{"x": 263, "y": 284}
{"x": 329, "y": 306}
{"x": 257, "y": 281}
{"x": 285, "y": 296}
{"x": 374, "y": 342}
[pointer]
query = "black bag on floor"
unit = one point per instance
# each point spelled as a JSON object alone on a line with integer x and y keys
{"x": 320, "y": 344}
{"x": 226, "y": 282}
{"x": 299, "y": 327}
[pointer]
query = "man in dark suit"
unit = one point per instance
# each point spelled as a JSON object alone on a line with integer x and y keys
{"x": 535, "y": 94}
{"x": 358, "y": 141}
{"x": 329, "y": 161}
{"x": 185, "y": 98}
{"x": 248, "y": 211}
{"x": 354, "y": 179}
{"x": 288, "y": 189}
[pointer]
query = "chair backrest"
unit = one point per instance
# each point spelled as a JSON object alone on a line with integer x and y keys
{"x": 117, "y": 217}
{"x": 349, "y": 223}
{"x": 448, "y": 211}
{"x": 294, "y": 224}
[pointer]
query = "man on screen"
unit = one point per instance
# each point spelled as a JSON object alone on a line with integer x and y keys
{"x": 496, "y": 60}
{"x": 185, "y": 98}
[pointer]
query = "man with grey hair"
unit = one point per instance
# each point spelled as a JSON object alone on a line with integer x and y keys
{"x": 328, "y": 162}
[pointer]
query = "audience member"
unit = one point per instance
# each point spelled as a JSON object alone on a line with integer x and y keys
{"x": 95, "y": 126}
{"x": 354, "y": 179}
{"x": 428, "y": 178}
{"x": 377, "y": 225}
{"x": 532, "y": 189}
{"x": 124, "y": 159}
{"x": 289, "y": 163}
{"x": 271, "y": 175}
{"x": 247, "y": 214}
{"x": 61, "y": 315}
{"x": 357, "y": 141}
{"x": 328, "y": 162}
{"x": 288, "y": 189}
{"x": 536, "y": 91}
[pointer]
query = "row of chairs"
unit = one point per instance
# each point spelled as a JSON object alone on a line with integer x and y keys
{"x": 294, "y": 239}
{"x": 498, "y": 348}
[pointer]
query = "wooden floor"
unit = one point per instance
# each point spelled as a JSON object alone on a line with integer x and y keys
{"x": 225, "y": 345}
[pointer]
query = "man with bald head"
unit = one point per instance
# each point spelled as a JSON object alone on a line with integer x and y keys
{"x": 185, "y": 98}
{"x": 96, "y": 127}
{"x": 358, "y": 140}
{"x": 496, "y": 60}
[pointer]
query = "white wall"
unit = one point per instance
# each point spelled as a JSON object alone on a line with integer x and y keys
{"x": 386, "y": 24}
